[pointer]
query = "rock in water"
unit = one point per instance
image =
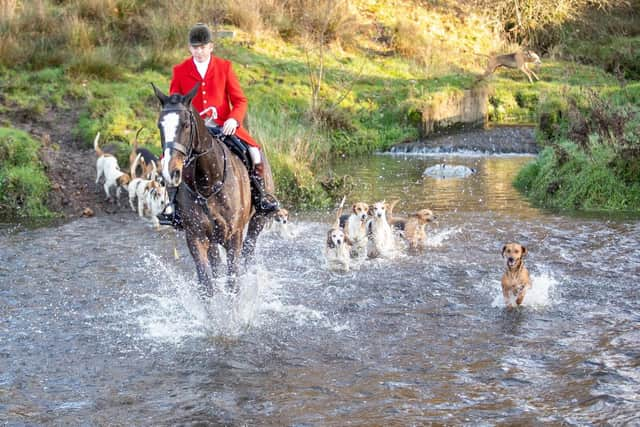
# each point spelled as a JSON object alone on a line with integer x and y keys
{"x": 443, "y": 170}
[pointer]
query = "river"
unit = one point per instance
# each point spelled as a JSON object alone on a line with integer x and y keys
{"x": 100, "y": 323}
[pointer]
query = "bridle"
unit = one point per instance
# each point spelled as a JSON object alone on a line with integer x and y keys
{"x": 190, "y": 154}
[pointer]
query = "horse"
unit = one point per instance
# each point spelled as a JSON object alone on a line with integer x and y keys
{"x": 214, "y": 193}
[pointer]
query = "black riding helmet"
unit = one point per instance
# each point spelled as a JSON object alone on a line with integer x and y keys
{"x": 199, "y": 35}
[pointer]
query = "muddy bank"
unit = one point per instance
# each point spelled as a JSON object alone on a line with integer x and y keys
{"x": 499, "y": 139}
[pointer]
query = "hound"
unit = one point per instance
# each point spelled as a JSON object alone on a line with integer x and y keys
{"x": 517, "y": 60}
{"x": 336, "y": 250}
{"x": 107, "y": 167}
{"x": 381, "y": 240}
{"x": 355, "y": 226}
{"x": 147, "y": 161}
{"x": 412, "y": 228}
{"x": 280, "y": 224}
{"x": 515, "y": 280}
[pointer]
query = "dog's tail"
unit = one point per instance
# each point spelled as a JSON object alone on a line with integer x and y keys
{"x": 134, "y": 165}
{"x": 390, "y": 211}
{"x": 339, "y": 212}
{"x": 134, "y": 148}
{"x": 99, "y": 152}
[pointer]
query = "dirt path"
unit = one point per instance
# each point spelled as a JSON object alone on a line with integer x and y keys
{"x": 69, "y": 163}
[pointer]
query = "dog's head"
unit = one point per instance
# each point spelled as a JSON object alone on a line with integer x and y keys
{"x": 514, "y": 253}
{"x": 124, "y": 180}
{"x": 361, "y": 210}
{"x": 424, "y": 216}
{"x": 281, "y": 216}
{"x": 531, "y": 56}
{"x": 379, "y": 210}
{"x": 336, "y": 238}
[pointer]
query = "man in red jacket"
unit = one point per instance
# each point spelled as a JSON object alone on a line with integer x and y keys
{"x": 222, "y": 103}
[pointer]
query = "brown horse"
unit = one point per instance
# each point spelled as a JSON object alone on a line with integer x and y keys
{"x": 214, "y": 194}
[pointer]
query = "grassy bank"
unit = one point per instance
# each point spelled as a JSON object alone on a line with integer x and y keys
{"x": 23, "y": 182}
{"x": 323, "y": 78}
{"x": 591, "y": 159}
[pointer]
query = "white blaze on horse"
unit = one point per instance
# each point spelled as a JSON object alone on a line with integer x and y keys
{"x": 214, "y": 192}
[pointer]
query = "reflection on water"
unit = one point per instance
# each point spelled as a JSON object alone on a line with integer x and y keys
{"x": 388, "y": 177}
{"x": 100, "y": 324}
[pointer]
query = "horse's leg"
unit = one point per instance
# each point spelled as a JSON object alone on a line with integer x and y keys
{"x": 199, "y": 248}
{"x": 256, "y": 225}
{"x": 214, "y": 259}
{"x": 234, "y": 249}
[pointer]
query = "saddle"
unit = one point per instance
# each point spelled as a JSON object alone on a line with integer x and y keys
{"x": 234, "y": 144}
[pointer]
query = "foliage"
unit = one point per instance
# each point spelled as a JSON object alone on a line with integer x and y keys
{"x": 592, "y": 159}
{"x": 23, "y": 183}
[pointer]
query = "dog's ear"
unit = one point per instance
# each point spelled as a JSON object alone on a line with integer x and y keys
{"x": 347, "y": 240}
{"x": 524, "y": 250}
{"x": 504, "y": 248}
{"x": 330, "y": 243}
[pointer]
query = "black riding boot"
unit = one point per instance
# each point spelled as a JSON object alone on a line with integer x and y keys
{"x": 262, "y": 201}
{"x": 172, "y": 217}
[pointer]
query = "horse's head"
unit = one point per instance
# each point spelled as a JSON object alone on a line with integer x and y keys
{"x": 177, "y": 125}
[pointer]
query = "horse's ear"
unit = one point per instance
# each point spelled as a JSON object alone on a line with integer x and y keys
{"x": 189, "y": 97}
{"x": 161, "y": 96}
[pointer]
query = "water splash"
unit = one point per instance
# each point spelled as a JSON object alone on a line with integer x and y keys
{"x": 438, "y": 238}
{"x": 176, "y": 312}
{"x": 542, "y": 292}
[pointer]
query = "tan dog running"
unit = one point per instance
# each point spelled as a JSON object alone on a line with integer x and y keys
{"x": 412, "y": 228}
{"x": 517, "y": 60}
{"x": 515, "y": 280}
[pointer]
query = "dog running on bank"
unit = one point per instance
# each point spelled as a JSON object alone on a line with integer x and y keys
{"x": 517, "y": 60}
{"x": 515, "y": 280}
{"x": 107, "y": 168}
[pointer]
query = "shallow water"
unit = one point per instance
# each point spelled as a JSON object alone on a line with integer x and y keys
{"x": 100, "y": 324}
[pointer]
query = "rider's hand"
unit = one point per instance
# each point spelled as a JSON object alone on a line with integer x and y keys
{"x": 229, "y": 127}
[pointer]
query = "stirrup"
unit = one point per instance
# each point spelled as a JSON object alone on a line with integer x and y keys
{"x": 267, "y": 203}
{"x": 165, "y": 219}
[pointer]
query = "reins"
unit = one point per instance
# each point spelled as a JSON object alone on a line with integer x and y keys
{"x": 194, "y": 156}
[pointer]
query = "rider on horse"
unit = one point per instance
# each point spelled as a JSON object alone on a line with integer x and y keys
{"x": 221, "y": 102}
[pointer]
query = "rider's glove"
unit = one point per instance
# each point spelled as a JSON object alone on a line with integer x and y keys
{"x": 229, "y": 127}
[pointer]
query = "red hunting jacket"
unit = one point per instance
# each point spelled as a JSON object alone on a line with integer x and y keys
{"x": 219, "y": 88}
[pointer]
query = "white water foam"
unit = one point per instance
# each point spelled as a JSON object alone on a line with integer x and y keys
{"x": 436, "y": 240}
{"x": 541, "y": 294}
{"x": 175, "y": 311}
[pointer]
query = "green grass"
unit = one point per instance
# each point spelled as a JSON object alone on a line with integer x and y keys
{"x": 23, "y": 183}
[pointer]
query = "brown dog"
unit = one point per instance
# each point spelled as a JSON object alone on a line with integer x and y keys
{"x": 412, "y": 228}
{"x": 515, "y": 280}
{"x": 517, "y": 60}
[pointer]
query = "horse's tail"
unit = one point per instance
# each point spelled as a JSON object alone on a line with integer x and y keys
{"x": 339, "y": 212}
{"x": 99, "y": 152}
{"x": 134, "y": 165}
